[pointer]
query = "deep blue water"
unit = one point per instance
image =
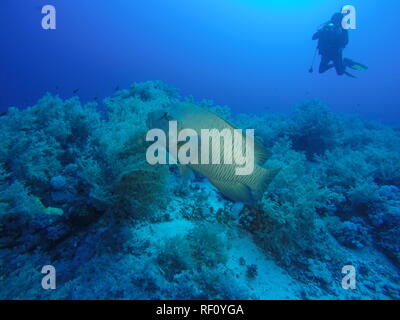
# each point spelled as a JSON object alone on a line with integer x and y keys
{"x": 249, "y": 54}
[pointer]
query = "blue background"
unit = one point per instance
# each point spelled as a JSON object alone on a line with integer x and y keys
{"x": 252, "y": 55}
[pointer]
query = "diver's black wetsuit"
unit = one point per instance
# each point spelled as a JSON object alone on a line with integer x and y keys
{"x": 332, "y": 39}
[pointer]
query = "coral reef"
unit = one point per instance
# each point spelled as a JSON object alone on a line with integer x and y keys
{"x": 76, "y": 192}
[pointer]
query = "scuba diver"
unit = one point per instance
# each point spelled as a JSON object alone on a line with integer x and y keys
{"x": 332, "y": 39}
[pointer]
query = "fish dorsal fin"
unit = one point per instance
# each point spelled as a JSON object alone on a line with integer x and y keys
{"x": 261, "y": 154}
{"x": 235, "y": 191}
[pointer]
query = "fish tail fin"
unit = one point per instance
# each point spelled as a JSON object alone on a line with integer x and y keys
{"x": 235, "y": 191}
{"x": 265, "y": 178}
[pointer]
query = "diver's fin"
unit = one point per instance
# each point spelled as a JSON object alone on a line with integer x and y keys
{"x": 360, "y": 67}
{"x": 350, "y": 75}
{"x": 354, "y": 65}
{"x": 235, "y": 191}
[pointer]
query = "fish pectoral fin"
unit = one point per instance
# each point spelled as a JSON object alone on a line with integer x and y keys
{"x": 235, "y": 191}
{"x": 186, "y": 173}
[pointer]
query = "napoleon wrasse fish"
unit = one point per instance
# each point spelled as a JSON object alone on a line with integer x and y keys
{"x": 239, "y": 188}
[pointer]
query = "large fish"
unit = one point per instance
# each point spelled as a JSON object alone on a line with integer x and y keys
{"x": 239, "y": 188}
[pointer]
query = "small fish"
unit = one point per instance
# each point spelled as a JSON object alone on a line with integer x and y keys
{"x": 96, "y": 98}
{"x": 238, "y": 188}
{"x": 75, "y": 91}
{"x": 117, "y": 88}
